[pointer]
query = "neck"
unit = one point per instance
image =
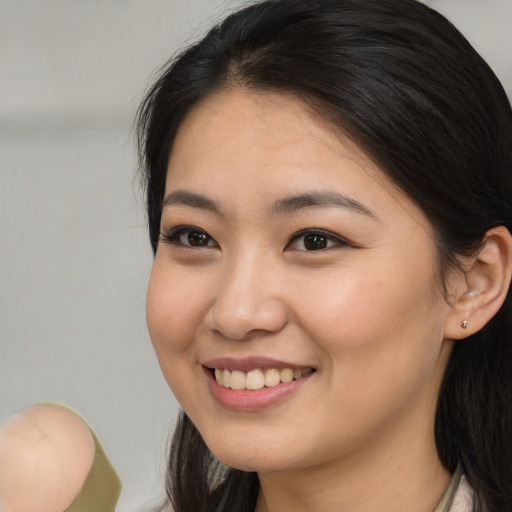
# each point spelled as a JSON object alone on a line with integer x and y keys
{"x": 398, "y": 474}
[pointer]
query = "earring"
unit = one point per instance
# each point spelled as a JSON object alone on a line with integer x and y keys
{"x": 464, "y": 324}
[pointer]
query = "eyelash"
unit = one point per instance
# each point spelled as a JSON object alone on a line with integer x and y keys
{"x": 173, "y": 236}
{"x": 318, "y": 236}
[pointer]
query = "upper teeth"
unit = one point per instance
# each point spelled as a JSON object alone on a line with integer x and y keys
{"x": 257, "y": 379}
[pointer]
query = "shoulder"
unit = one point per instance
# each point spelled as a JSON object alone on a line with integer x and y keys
{"x": 45, "y": 450}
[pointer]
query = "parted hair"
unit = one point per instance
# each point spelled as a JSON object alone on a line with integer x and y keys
{"x": 402, "y": 82}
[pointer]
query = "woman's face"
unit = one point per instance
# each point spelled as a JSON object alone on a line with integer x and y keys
{"x": 291, "y": 266}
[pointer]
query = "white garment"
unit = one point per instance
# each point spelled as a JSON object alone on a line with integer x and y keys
{"x": 458, "y": 496}
{"x": 464, "y": 497}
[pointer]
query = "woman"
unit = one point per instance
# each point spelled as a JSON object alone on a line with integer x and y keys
{"x": 328, "y": 191}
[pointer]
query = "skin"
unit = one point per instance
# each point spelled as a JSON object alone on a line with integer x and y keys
{"x": 46, "y": 453}
{"x": 366, "y": 312}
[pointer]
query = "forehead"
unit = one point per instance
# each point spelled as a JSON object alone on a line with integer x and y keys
{"x": 270, "y": 145}
{"x": 228, "y": 109}
{"x": 261, "y": 128}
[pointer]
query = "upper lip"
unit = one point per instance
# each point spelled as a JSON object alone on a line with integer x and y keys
{"x": 247, "y": 364}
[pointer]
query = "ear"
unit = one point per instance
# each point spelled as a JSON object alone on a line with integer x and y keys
{"x": 482, "y": 288}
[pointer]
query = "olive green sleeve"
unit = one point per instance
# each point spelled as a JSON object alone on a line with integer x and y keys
{"x": 101, "y": 488}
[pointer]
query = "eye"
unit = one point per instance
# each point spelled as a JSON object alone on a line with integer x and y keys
{"x": 188, "y": 236}
{"x": 315, "y": 240}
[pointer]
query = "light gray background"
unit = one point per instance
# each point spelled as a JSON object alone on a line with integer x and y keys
{"x": 74, "y": 257}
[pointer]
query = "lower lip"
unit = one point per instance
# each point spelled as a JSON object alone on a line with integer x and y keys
{"x": 252, "y": 400}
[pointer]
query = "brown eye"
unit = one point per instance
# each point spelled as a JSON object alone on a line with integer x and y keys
{"x": 188, "y": 236}
{"x": 315, "y": 242}
{"x": 198, "y": 239}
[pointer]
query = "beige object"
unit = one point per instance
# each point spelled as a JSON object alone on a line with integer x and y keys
{"x": 37, "y": 473}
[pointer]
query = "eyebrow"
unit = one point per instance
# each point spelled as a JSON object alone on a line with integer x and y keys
{"x": 326, "y": 199}
{"x": 185, "y": 198}
{"x": 287, "y": 205}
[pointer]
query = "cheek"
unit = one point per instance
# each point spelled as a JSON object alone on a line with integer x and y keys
{"x": 380, "y": 334}
{"x": 174, "y": 307}
{"x": 174, "y": 311}
{"x": 379, "y": 308}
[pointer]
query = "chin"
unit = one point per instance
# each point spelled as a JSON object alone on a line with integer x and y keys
{"x": 251, "y": 462}
{"x": 258, "y": 455}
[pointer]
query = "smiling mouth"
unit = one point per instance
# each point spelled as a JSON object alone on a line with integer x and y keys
{"x": 258, "y": 378}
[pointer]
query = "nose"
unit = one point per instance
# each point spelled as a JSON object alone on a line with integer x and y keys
{"x": 248, "y": 302}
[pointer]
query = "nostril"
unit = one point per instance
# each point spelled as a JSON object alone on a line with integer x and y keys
{"x": 247, "y": 319}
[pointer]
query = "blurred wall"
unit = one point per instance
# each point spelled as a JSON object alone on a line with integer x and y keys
{"x": 74, "y": 256}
